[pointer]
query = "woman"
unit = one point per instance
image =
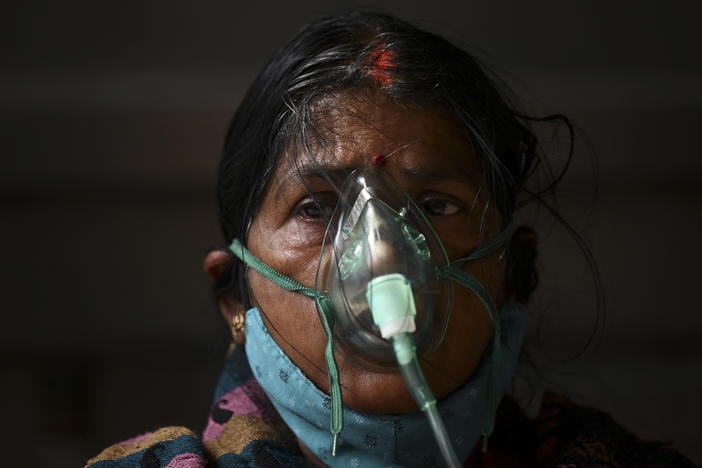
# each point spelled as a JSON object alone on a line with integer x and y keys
{"x": 430, "y": 149}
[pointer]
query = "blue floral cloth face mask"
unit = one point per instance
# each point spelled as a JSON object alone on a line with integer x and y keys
{"x": 379, "y": 440}
{"x": 384, "y": 248}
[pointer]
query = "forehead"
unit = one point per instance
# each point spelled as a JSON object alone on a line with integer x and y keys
{"x": 349, "y": 133}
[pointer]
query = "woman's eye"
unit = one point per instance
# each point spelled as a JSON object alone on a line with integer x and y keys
{"x": 440, "y": 207}
{"x": 314, "y": 209}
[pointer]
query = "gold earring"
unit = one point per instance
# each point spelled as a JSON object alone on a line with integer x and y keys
{"x": 239, "y": 328}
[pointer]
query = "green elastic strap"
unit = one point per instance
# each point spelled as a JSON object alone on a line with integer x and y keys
{"x": 337, "y": 413}
{"x": 327, "y": 319}
{"x": 275, "y": 276}
{"x": 486, "y": 248}
{"x": 453, "y": 272}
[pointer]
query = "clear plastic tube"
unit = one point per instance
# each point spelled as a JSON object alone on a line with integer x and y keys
{"x": 404, "y": 347}
{"x": 442, "y": 438}
{"x": 392, "y": 305}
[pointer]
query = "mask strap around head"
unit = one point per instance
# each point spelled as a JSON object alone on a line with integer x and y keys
{"x": 327, "y": 319}
{"x": 486, "y": 248}
{"x": 453, "y": 272}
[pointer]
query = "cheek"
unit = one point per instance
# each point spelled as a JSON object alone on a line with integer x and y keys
{"x": 469, "y": 330}
{"x": 467, "y": 336}
{"x": 290, "y": 317}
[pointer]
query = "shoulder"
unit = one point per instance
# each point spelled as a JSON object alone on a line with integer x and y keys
{"x": 179, "y": 447}
{"x": 169, "y": 446}
{"x": 568, "y": 434}
{"x": 578, "y": 434}
{"x": 243, "y": 430}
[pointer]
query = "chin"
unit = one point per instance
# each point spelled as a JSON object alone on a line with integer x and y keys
{"x": 373, "y": 392}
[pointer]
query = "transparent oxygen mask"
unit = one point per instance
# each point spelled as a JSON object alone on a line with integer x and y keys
{"x": 377, "y": 233}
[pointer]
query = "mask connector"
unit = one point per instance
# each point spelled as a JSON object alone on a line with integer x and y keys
{"x": 392, "y": 304}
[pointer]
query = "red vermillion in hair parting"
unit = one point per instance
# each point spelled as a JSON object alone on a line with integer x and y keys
{"x": 381, "y": 65}
{"x": 379, "y": 69}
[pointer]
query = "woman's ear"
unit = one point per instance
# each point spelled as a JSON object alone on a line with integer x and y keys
{"x": 215, "y": 263}
{"x": 522, "y": 275}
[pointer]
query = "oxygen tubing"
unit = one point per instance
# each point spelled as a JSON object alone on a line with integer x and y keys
{"x": 403, "y": 345}
{"x": 392, "y": 305}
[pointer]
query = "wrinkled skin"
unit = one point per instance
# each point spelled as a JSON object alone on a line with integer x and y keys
{"x": 434, "y": 161}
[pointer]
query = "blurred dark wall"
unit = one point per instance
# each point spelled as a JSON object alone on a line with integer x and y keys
{"x": 113, "y": 114}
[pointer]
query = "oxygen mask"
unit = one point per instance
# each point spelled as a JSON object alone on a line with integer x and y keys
{"x": 385, "y": 257}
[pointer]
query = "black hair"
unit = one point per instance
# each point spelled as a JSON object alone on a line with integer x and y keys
{"x": 358, "y": 52}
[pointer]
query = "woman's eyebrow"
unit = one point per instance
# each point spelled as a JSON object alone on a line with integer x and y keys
{"x": 436, "y": 175}
{"x": 307, "y": 173}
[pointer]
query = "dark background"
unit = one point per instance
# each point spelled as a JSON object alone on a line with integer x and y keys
{"x": 112, "y": 118}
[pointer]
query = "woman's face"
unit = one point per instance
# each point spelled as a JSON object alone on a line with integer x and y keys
{"x": 431, "y": 159}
